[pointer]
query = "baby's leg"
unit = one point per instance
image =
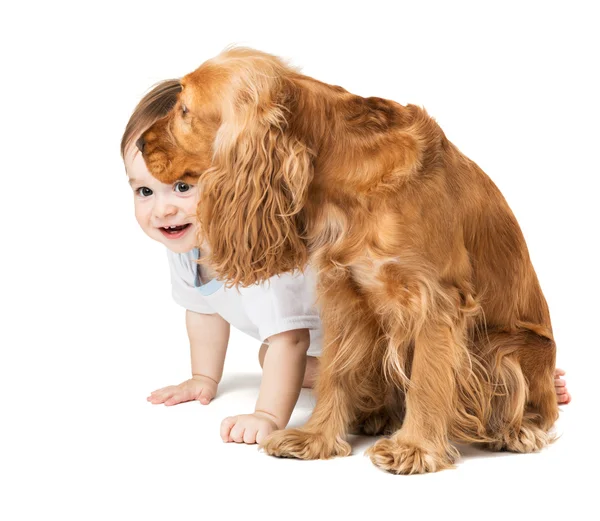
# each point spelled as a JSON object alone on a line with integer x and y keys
{"x": 310, "y": 374}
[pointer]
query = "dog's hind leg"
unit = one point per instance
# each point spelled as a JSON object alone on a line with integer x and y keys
{"x": 538, "y": 362}
{"x": 523, "y": 405}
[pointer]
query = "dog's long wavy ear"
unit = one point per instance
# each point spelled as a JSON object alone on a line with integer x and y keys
{"x": 251, "y": 205}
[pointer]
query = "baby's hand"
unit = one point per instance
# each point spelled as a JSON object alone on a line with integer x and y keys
{"x": 201, "y": 388}
{"x": 247, "y": 428}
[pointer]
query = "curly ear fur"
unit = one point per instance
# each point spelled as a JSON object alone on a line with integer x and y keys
{"x": 251, "y": 206}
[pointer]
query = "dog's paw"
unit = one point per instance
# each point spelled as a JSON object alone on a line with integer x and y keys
{"x": 529, "y": 438}
{"x": 303, "y": 444}
{"x": 409, "y": 458}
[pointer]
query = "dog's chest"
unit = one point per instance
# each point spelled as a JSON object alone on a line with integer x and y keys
{"x": 367, "y": 271}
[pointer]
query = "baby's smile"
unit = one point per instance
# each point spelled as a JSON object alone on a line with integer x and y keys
{"x": 175, "y": 231}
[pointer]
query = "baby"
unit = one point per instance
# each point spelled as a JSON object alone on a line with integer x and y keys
{"x": 280, "y": 313}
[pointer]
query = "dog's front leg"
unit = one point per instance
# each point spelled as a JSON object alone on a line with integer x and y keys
{"x": 345, "y": 384}
{"x": 435, "y": 324}
{"x": 323, "y": 436}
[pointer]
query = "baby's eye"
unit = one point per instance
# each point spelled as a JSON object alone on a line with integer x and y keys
{"x": 144, "y": 191}
{"x": 181, "y": 187}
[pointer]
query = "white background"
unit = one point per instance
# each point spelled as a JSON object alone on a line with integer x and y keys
{"x": 88, "y": 325}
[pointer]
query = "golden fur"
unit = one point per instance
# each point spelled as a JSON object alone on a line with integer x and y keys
{"x": 435, "y": 326}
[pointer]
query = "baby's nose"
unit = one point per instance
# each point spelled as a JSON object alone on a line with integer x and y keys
{"x": 140, "y": 144}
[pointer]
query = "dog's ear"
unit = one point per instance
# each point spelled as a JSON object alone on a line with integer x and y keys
{"x": 252, "y": 198}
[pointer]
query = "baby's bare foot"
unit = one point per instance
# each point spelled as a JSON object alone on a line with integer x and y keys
{"x": 562, "y": 394}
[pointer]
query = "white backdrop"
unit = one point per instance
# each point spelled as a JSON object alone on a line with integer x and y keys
{"x": 88, "y": 326}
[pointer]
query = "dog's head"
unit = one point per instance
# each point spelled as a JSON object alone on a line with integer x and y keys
{"x": 231, "y": 128}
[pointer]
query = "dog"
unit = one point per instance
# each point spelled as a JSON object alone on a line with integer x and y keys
{"x": 435, "y": 325}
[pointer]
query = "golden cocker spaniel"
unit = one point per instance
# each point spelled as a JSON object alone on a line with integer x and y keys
{"x": 435, "y": 325}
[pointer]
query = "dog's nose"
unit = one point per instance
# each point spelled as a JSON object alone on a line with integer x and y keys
{"x": 140, "y": 144}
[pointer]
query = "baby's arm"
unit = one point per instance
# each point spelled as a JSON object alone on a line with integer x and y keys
{"x": 283, "y": 371}
{"x": 209, "y": 336}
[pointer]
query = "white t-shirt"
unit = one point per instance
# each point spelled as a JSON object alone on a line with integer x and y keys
{"x": 283, "y": 303}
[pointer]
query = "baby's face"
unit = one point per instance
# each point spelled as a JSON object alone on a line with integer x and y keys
{"x": 166, "y": 212}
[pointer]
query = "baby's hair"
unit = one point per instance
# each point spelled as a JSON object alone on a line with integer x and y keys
{"x": 153, "y": 106}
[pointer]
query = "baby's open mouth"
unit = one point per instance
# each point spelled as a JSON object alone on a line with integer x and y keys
{"x": 174, "y": 230}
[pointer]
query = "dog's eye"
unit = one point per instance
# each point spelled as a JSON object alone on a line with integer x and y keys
{"x": 184, "y": 109}
{"x": 181, "y": 187}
